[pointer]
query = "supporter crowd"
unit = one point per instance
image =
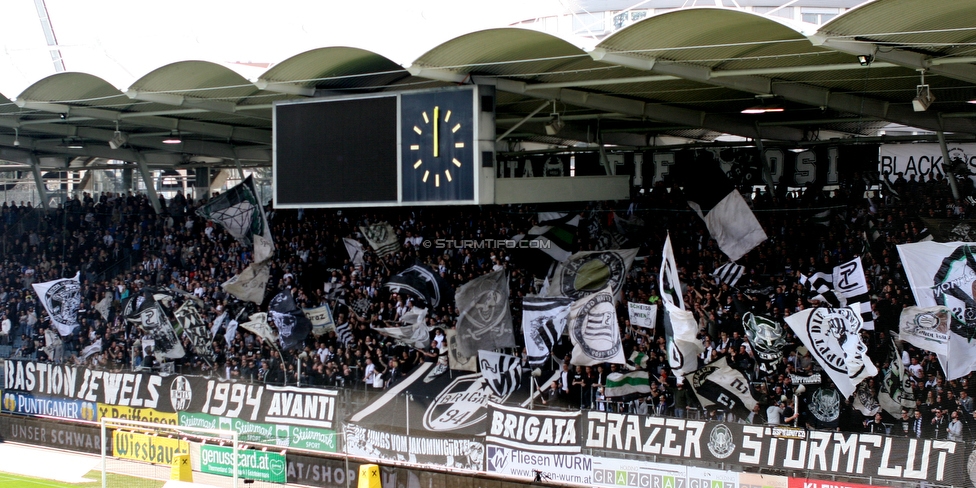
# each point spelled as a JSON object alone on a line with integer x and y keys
{"x": 99, "y": 236}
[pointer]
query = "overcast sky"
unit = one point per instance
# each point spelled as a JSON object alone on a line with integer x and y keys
{"x": 122, "y": 40}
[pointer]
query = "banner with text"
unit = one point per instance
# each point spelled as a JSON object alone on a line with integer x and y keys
{"x": 309, "y": 407}
{"x": 923, "y": 160}
{"x": 755, "y": 445}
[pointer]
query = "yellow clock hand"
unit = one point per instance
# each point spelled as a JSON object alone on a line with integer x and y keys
{"x": 437, "y": 123}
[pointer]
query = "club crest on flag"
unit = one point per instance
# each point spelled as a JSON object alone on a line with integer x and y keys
{"x": 594, "y": 328}
{"x": 592, "y": 273}
{"x": 829, "y": 332}
{"x": 64, "y": 298}
{"x": 767, "y": 339}
{"x": 462, "y": 404}
{"x": 825, "y": 404}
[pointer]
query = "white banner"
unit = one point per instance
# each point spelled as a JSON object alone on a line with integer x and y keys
{"x": 922, "y": 160}
{"x": 642, "y": 315}
{"x": 541, "y": 465}
{"x": 612, "y": 472}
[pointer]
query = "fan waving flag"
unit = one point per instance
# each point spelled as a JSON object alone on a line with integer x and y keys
{"x": 382, "y": 238}
{"x": 594, "y": 331}
{"x": 944, "y": 274}
{"x": 729, "y": 273}
{"x": 543, "y": 322}
{"x": 895, "y": 392}
{"x": 250, "y": 285}
{"x": 61, "y": 299}
{"x": 550, "y": 241}
{"x": 240, "y": 213}
{"x": 833, "y": 336}
{"x": 293, "y": 326}
{"x": 258, "y": 325}
{"x": 680, "y": 327}
{"x": 627, "y": 386}
{"x": 591, "y": 271}
{"x": 502, "y": 372}
{"x": 413, "y": 333}
{"x": 484, "y": 319}
{"x": 727, "y": 216}
{"x": 719, "y": 385}
{"x": 151, "y": 318}
{"x": 421, "y": 282}
{"x": 355, "y": 250}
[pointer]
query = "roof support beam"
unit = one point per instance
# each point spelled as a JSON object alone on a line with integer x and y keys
{"x": 182, "y": 101}
{"x": 39, "y": 182}
{"x": 229, "y": 132}
{"x": 799, "y": 92}
{"x": 150, "y": 184}
{"x": 900, "y": 57}
{"x": 636, "y": 108}
{"x": 619, "y": 105}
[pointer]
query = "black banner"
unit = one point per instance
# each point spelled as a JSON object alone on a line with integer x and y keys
{"x": 310, "y": 407}
{"x": 868, "y": 455}
{"x": 38, "y": 432}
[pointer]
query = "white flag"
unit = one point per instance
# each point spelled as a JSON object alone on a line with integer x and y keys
{"x": 250, "y": 284}
{"x": 926, "y": 328}
{"x": 414, "y": 331}
{"x": 258, "y": 325}
{"x": 642, "y": 314}
{"x": 355, "y": 250}
{"x": 945, "y": 274}
{"x": 543, "y": 321}
{"x": 321, "y": 318}
{"x": 732, "y": 224}
{"x": 502, "y": 372}
{"x": 833, "y": 336}
{"x": 382, "y": 238}
{"x": 680, "y": 327}
{"x": 594, "y": 331}
{"x": 591, "y": 271}
{"x": 61, "y": 299}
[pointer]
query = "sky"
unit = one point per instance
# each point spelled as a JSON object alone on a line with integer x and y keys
{"x": 122, "y": 40}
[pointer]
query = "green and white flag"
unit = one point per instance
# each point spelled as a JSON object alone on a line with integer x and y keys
{"x": 240, "y": 213}
{"x": 624, "y": 385}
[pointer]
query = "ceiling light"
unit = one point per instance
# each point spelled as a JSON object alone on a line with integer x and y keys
{"x": 174, "y": 138}
{"x": 865, "y": 59}
{"x": 762, "y": 109}
{"x": 16, "y": 137}
{"x": 71, "y": 144}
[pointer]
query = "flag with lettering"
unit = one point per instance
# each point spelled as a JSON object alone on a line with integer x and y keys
{"x": 594, "y": 331}
{"x": 944, "y": 274}
{"x": 833, "y": 336}
{"x": 151, "y": 318}
{"x": 719, "y": 385}
{"x": 321, "y": 318}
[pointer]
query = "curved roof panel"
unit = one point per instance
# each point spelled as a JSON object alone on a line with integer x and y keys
{"x": 79, "y": 88}
{"x": 201, "y": 79}
{"x": 336, "y": 68}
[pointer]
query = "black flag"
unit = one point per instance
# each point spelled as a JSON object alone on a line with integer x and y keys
{"x": 293, "y": 326}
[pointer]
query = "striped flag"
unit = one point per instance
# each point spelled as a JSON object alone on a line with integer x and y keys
{"x": 845, "y": 286}
{"x": 344, "y": 334}
{"x": 502, "y": 372}
{"x": 543, "y": 322}
{"x": 821, "y": 218}
{"x": 552, "y": 240}
{"x": 729, "y": 273}
{"x": 382, "y": 238}
{"x": 719, "y": 385}
{"x": 627, "y": 385}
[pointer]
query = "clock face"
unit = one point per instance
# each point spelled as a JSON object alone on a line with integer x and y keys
{"x": 438, "y": 145}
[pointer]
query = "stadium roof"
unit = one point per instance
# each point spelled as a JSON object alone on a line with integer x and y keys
{"x": 681, "y": 76}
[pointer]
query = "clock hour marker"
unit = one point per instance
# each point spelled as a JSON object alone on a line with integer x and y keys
{"x": 447, "y": 117}
{"x": 455, "y": 128}
{"x": 426, "y": 120}
{"x": 447, "y": 173}
{"x": 437, "y": 180}
{"x": 459, "y": 145}
{"x": 415, "y": 147}
{"x": 417, "y": 130}
{"x": 456, "y": 162}
{"x": 426, "y": 174}
{"x": 417, "y": 164}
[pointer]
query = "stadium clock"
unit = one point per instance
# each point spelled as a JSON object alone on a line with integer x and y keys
{"x": 437, "y": 146}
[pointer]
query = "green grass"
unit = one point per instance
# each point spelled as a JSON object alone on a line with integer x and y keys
{"x": 8, "y": 480}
